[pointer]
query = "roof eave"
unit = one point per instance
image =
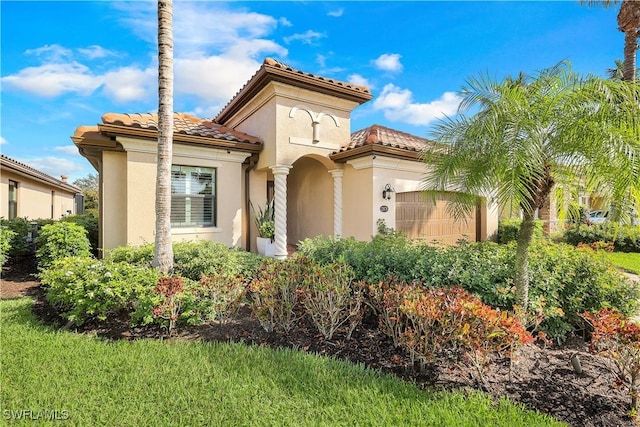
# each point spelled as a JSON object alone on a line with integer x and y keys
{"x": 179, "y": 138}
{"x": 371, "y": 149}
{"x": 39, "y": 176}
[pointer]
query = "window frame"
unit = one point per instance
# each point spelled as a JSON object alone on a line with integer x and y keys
{"x": 188, "y": 196}
{"x": 12, "y": 202}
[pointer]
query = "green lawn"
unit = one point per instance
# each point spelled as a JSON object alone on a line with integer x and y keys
{"x": 155, "y": 383}
{"x": 627, "y": 261}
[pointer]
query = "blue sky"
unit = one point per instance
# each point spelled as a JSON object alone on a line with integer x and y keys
{"x": 64, "y": 64}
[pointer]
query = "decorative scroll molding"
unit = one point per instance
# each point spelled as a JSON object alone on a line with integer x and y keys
{"x": 315, "y": 120}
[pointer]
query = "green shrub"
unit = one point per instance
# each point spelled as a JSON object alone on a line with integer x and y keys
{"x": 60, "y": 240}
{"x": 566, "y": 282}
{"x": 385, "y": 255}
{"x": 90, "y": 223}
{"x": 21, "y": 242}
{"x": 136, "y": 255}
{"x": 625, "y": 238}
{"x": 5, "y": 243}
{"x": 509, "y": 229}
{"x": 194, "y": 259}
{"x": 84, "y": 288}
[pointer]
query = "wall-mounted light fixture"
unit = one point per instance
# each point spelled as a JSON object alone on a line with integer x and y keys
{"x": 386, "y": 193}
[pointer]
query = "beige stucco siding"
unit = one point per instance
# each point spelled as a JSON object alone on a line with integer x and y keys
{"x": 113, "y": 200}
{"x": 357, "y": 193}
{"x": 36, "y": 199}
{"x": 128, "y": 193}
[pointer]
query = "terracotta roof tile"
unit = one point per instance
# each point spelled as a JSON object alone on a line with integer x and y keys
{"x": 9, "y": 163}
{"x": 277, "y": 64}
{"x": 380, "y": 135}
{"x": 184, "y": 124}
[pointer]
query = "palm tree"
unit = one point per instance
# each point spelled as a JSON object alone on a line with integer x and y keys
{"x": 629, "y": 24}
{"x": 163, "y": 256}
{"x": 617, "y": 72}
{"x": 533, "y": 136}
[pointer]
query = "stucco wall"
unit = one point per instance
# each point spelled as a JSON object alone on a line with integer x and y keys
{"x": 128, "y": 196}
{"x": 357, "y": 203}
{"x": 113, "y": 199}
{"x": 309, "y": 201}
{"x": 35, "y": 200}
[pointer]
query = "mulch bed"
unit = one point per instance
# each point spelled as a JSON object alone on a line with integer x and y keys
{"x": 542, "y": 377}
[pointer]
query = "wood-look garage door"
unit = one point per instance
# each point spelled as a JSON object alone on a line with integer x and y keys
{"x": 419, "y": 218}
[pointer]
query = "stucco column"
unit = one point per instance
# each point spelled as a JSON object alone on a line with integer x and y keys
{"x": 280, "y": 173}
{"x": 337, "y": 175}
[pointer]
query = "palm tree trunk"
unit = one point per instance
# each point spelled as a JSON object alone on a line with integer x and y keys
{"x": 525, "y": 237}
{"x": 629, "y": 23}
{"x": 630, "y": 52}
{"x": 163, "y": 256}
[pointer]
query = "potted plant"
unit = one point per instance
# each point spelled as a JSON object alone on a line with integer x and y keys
{"x": 266, "y": 228}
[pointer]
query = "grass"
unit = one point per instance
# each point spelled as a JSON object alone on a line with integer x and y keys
{"x": 627, "y": 261}
{"x": 174, "y": 383}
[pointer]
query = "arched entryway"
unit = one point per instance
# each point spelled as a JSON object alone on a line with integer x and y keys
{"x": 310, "y": 200}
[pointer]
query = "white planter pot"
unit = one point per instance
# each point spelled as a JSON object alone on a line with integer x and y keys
{"x": 265, "y": 246}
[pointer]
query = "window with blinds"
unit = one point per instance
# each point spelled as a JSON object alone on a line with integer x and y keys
{"x": 193, "y": 196}
{"x": 13, "y": 199}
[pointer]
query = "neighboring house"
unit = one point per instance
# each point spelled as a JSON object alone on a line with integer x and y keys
{"x": 285, "y": 134}
{"x": 28, "y": 193}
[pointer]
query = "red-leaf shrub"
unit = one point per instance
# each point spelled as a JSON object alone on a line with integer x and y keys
{"x": 618, "y": 339}
{"x": 169, "y": 308}
{"x": 275, "y": 293}
{"x": 220, "y": 294}
{"x": 330, "y": 300}
{"x": 452, "y": 319}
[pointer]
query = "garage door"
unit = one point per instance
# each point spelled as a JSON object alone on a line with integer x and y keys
{"x": 420, "y": 218}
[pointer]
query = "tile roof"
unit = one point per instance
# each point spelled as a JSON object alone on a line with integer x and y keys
{"x": 184, "y": 124}
{"x": 380, "y": 135}
{"x": 23, "y": 169}
{"x": 270, "y": 62}
{"x": 273, "y": 70}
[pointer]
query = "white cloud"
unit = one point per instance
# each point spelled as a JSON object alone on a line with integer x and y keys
{"x": 218, "y": 28}
{"x": 69, "y": 150}
{"x": 129, "y": 83}
{"x": 359, "y": 80}
{"x": 336, "y": 13}
{"x": 285, "y": 22}
{"x": 51, "y": 80}
{"x": 214, "y": 59}
{"x": 321, "y": 60}
{"x": 195, "y": 77}
{"x": 3, "y": 140}
{"x": 96, "y": 52}
{"x": 53, "y": 52}
{"x": 388, "y": 62}
{"x": 397, "y": 105}
{"x": 307, "y": 38}
{"x": 54, "y": 166}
